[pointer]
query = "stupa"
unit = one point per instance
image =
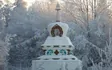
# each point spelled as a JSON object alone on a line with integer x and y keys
{"x": 57, "y": 49}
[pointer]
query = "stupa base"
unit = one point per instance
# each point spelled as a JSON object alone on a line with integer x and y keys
{"x": 63, "y": 63}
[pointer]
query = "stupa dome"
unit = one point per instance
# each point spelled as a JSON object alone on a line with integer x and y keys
{"x": 58, "y": 29}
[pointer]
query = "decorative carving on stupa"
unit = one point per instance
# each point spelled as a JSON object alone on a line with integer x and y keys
{"x": 57, "y": 31}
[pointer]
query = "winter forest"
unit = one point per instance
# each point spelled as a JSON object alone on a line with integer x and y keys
{"x": 23, "y": 28}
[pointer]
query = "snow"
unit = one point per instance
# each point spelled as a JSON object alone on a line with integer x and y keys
{"x": 22, "y": 23}
{"x": 61, "y": 56}
{"x": 3, "y": 52}
{"x": 61, "y": 41}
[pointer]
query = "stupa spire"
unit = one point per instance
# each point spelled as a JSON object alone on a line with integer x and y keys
{"x": 58, "y": 12}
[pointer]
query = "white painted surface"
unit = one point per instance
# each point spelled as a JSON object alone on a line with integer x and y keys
{"x": 57, "y": 64}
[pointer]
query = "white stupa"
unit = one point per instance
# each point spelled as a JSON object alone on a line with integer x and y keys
{"x": 58, "y": 49}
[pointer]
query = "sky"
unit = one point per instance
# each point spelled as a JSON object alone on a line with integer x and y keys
{"x": 28, "y": 2}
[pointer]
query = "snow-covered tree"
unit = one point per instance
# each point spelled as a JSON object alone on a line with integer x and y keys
{"x": 23, "y": 29}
